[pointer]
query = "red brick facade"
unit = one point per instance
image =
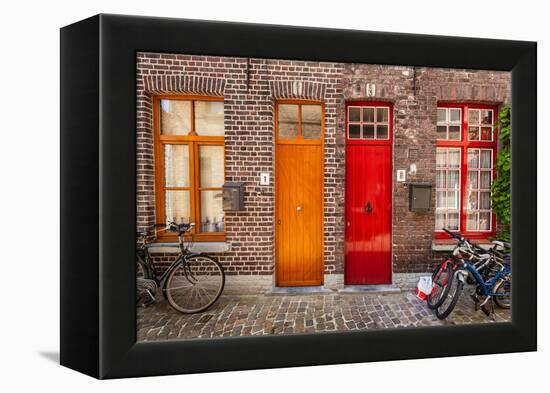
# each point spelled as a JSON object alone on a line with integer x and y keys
{"x": 251, "y": 86}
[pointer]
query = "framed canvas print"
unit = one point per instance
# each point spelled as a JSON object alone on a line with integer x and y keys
{"x": 238, "y": 196}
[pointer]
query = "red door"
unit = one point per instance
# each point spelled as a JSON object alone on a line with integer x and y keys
{"x": 368, "y": 193}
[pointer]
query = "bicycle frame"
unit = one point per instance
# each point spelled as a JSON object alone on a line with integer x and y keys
{"x": 486, "y": 286}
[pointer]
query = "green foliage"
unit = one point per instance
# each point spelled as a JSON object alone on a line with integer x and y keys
{"x": 500, "y": 194}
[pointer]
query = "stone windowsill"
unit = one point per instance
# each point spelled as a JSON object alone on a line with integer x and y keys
{"x": 450, "y": 244}
{"x": 207, "y": 247}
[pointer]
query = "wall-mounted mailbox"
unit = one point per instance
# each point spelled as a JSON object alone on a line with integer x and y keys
{"x": 420, "y": 197}
{"x": 233, "y": 196}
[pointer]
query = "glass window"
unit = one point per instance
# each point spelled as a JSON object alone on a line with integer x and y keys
{"x": 478, "y": 189}
{"x": 176, "y": 165}
{"x": 288, "y": 121}
{"x": 449, "y": 122}
{"x": 312, "y": 121}
{"x": 473, "y": 213}
{"x": 372, "y": 121}
{"x": 175, "y": 117}
{"x": 187, "y": 129}
{"x": 447, "y": 190}
{"x": 209, "y": 118}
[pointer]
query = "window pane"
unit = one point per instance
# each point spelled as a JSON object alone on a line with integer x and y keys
{"x": 485, "y": 180}
{"x": 439, "y": 220}
{"x": 454, "y": 132}
{"x": 440, "y": 179}
{"x": 473, "y": 158}
{"x": 453, "y": 221}
{"x": 368, "y": 114}
{"x": 368, "y": 131}
{"x": 472, "y": 180}
{"x": 452, "y": 179}
{"x": 354, "y": 131}
{"x": 473, "y": 117}
{"x": 441, "y": 132}
{"x": 452, "y": 200}
{"x": 288, "y": 121}
{"x": 381, "y": 131}
{"x": 177, "y": 206}
{"x": 175, "y": 117}
{"x": 382, "y": 115}
{"x": 441, "y": 115}
{"x": 212, "y": 215}
{"x": 485, "y": 200}
{"x": 211, "y": 161}
{"x": 176, "y": 165}
{"x": 486, "y": 159}
{"x": 484, "y": 221}
{"x": 311, "y": 121}
{"x": 471, "y": 222}
{"x": 209, "y": 118}
{"x": 455, "y": 115}
{"x": 441, "y": 158}
{"x": 473, "y": 133}
{"x": 472, "y": 200}
{"x": 454, "y": 158}
{"x": 440, "y": 199}
{"x": 487, "y": 117}
{"x": 354, "y": 114}
{"x": 486, "y": 133}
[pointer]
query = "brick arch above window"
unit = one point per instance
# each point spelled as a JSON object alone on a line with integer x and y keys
{"x": 183, "y": 84}
{"x": 297, "y": 90}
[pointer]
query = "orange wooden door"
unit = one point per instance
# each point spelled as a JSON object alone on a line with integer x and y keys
{"x": 299, "y": 198}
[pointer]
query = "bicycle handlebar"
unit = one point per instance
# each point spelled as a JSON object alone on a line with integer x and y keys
{"x": 180, "y": 228}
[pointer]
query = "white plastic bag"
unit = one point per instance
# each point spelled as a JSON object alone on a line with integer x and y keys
{"x": 424, "y": 287}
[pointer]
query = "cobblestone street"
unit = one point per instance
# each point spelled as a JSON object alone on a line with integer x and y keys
{"x": 304, "y": 313}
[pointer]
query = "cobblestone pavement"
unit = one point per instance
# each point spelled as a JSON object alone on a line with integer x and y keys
{"x": 304, "y": 313}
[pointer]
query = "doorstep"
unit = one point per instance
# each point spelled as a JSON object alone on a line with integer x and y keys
{"x": 374, "y": 289}
{"x": 313, "y": 290}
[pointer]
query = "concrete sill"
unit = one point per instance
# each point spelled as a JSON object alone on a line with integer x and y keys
{"x": 449, "y": 245}
{"x": 207, "y": 247}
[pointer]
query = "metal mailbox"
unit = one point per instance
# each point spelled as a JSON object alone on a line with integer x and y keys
{"x": 420, "y": 197}
{"x": 233, "y": 196}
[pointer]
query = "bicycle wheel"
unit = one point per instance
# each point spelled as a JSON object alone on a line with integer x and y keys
{"x": 195, "y": 284}
{"x": 442, "y": 281}
{"x": 503, "y": 293}
{"x": 449, "y": 302}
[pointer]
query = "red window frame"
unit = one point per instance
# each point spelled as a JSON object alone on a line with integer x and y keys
{"x": 368, "y": 104}
{"x": 464, "y": 144}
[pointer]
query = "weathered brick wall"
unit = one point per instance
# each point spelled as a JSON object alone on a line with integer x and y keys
{"x": 415, "y": 93}
{"x": 250, "y": 88}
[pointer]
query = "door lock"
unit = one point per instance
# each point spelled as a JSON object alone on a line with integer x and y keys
{"x": 368, "y": 207}
{"x": 299, "y": 208}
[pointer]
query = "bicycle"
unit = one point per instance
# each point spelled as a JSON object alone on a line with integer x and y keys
{"x": 489, "y": 270}
{"x": 192, "y": 283}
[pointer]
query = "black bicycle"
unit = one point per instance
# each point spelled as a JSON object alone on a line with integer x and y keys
{"x": 192, "y": 283}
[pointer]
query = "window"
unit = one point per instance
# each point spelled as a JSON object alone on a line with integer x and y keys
{"x": 368, "y": 122}
{"x": 190, "y": 162}
{"x": 465, "y": 168}
{"x": 302, "y": 121}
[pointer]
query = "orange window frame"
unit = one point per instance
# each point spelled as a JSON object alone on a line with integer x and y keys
{"x": 464, "y": 144}
{"x": 193, "y": 141}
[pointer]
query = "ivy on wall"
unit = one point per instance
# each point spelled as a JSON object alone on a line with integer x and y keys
{"x": 500, "y": 194}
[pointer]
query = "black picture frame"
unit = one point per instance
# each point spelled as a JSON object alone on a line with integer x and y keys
{"x": 98, "y": 119}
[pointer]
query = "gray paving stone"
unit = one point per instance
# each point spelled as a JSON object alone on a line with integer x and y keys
{"x": 301, "y": 313}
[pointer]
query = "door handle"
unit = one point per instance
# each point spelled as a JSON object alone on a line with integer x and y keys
{"x": 368, "y": 207}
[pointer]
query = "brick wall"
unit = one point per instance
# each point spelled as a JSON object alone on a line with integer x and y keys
{"x": 250, "y": 88}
